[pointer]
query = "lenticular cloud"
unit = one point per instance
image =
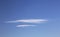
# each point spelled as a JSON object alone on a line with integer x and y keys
{"x": 28, "y": 21}
{"x": 25, "y": 25}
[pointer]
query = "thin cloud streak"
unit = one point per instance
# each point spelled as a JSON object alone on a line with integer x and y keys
{"x": 28, "y": 21}
{"x": 25, "y": 25}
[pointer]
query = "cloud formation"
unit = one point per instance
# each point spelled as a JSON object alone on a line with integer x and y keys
{"x": 25, "y": 25}
{"x": 28, "y": 21}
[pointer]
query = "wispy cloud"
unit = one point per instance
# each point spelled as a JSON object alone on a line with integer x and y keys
{"x": 25, "y": 25}
{"x": 28, "y": 21}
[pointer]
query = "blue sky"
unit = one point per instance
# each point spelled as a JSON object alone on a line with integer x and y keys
{"x": 12, "y": 10}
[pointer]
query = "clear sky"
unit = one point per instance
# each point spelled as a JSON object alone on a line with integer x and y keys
{"x": 11, "y": 10}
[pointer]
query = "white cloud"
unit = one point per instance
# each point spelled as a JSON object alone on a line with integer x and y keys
{"x": 25, "y": 25}
{"x": 29, "y": 21}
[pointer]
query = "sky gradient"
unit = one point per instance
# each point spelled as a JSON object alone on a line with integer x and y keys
{"x": 11, "y": 10}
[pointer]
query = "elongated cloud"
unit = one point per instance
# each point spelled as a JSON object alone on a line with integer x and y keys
{"x": 28, "y": 21}
{"x": 25, "y": 25}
